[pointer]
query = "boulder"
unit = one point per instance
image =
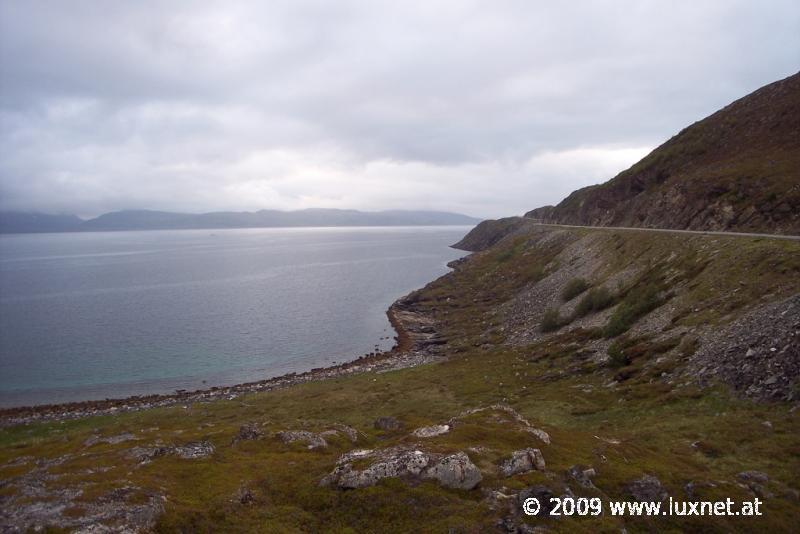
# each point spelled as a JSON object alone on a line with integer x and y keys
{"x": 523, "y": 461}
{"x": 455, "y": 471}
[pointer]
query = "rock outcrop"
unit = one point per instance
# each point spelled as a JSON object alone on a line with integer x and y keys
{"x": 411, "y": 464}
{"x": 523, "y": 461}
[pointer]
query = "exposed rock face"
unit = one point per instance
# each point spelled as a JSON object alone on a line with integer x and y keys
{"x": 431, "y": 431}
{"x": 647, "y": 489}
{"x": 738, "y": 169}
{"x": 388, "y": 423}
{"x": 313, "y": 440}
{"x": 523, "y": 461}
{"x": 451, "y": 471}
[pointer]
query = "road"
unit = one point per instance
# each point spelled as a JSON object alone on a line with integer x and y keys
{"x": 671, "y": 231}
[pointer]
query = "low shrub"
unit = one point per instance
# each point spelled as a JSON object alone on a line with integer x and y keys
{"x": 574, "y": 287}
{"x": 616, "y": 353}
{"x": 598, "y": 298}
{"x": 551, "y": 320}
{"x": 636, "y": 304}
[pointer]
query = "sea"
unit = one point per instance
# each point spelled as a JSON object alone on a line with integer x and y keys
{"x": 95, "y": 315}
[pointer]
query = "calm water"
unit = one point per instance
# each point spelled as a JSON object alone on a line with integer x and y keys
{"x": 96, "y": 315}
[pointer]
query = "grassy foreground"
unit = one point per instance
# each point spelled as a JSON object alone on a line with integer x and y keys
{"x": 625, "y": 416}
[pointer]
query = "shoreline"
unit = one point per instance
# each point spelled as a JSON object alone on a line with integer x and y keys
{"x": 413, "y": 340}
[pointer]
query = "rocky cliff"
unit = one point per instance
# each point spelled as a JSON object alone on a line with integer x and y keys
{"x": 737, "y": 170}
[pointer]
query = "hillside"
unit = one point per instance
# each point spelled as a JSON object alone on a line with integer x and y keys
{"x": 738, "y": 170}
{"x": 11, "y": 222}
{"x": 557, "y": 362}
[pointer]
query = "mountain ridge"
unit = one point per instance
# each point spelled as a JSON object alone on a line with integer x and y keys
{"x": 22, "y": 222}
{"x": 736, "y": 170}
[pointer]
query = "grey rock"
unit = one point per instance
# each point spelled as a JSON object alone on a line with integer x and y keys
{"x": 647, "y": 489}
{"x": 414, "y": 465}
{"x": 523, "y": 461}
{"x": 390, "y": 463}
{"x": 147, "y": 454}
{"x": 313, "y": 440}
{"x": 539, "y": 433}
{"x": 753, "y": 476}
{"x": 350, "y": 432}
{"x": 431, "y": 431}
{"x": 455, "y": 471}
{"x": 195, "y": 450}
{"x": 247, "y": 432}
{"x": 582, "y": 475}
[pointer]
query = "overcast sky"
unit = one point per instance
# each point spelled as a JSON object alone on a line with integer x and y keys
{"x": 488, "y": 108}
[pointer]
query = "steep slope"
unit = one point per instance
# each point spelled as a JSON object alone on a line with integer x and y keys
{"x": 738, "y": 170}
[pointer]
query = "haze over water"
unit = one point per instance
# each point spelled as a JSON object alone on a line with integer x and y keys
{"x": 95, "y": 315}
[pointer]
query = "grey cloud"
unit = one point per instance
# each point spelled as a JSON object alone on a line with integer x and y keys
{"x": 489, "y": 108}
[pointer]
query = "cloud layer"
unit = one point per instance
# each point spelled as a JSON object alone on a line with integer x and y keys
{"x": 487, "y": 108}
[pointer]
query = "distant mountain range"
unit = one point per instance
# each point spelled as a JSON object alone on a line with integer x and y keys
{"x": 20, "y": 222}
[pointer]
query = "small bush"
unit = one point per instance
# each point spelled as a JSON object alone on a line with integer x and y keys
{"x": 616, "y": 353}
{"x": 636, "y": 304}
{"x": 551, "y": 320}
{"x": 598, "y": 298}
{"x": 574, "y": 287}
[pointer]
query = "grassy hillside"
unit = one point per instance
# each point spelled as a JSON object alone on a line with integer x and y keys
{"x": 738, "y": 169}
{"x": 612, "y": 381}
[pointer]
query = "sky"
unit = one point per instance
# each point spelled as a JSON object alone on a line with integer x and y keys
{"x": 484, "y": 108}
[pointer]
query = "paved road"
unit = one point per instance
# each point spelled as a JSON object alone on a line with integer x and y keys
{"x": 672, "y": 231}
